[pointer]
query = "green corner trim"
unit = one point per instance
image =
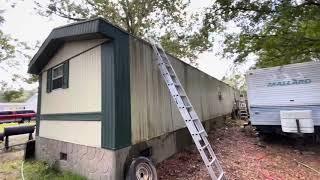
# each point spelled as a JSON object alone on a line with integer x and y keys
{"x": 90, "y": 116}
{"x": 116, "y": 108}
{"x": 39, "y": 105}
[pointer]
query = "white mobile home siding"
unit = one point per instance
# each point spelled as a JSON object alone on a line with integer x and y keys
{"x": 82, "y": 96}
{"x": 266, "y": 101}
{"x": 84, "y": 92}
{"x": 153, "y": 112}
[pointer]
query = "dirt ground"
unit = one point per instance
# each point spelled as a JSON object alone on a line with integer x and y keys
{"x": 242, "y": 154}
{"x": 245, "y": 156}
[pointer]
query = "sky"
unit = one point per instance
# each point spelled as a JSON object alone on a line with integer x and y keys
{"x": 23, "y": 23}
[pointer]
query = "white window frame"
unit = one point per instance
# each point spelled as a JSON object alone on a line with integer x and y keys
{"x": 54, "y": 78}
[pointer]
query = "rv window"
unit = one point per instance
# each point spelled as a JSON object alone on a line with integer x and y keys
{"x": 57, "y": 77}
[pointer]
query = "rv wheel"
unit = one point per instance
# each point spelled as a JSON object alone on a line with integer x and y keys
{"x": 141, "y": 168}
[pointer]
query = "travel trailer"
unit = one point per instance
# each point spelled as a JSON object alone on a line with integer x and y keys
{"x": 285, "y": 99}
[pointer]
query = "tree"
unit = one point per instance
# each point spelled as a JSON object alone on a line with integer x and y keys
{"x": 13, "y": 53}
{"x": 278, "y": 32}
{"x": 6, "y": 48}
{"x": 237, "y": 81}
{"x": 13, "y": 95}
{"x": 180, "y": 32}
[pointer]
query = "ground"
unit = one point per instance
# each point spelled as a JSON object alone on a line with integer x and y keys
{"x": 11, "y": 162}
{"x": 244, "y": 156}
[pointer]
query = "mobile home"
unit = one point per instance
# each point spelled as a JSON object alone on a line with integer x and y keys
{"x": 102, "y": 100}
{"x": 285, "y": 98}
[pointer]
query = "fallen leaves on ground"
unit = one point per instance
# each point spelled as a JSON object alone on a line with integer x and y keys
{"x": 244, "y": 156}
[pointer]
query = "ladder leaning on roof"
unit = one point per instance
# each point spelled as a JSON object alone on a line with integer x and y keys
{"x": 191, "y": 119}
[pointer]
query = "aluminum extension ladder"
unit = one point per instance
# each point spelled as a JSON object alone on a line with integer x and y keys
{"x": 197, "y": 131}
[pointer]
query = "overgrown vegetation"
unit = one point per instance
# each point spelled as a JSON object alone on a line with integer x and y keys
{"x": 35, "y": 170}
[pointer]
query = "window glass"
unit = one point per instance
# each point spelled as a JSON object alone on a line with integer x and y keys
{"x": 57, "y": 77}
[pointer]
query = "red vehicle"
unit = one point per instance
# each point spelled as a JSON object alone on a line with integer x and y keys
{"x": 17, "y": 116}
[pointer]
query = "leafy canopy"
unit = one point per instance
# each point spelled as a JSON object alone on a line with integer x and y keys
{"x": 13, "y": 53}
{"x": 179, "y": 31}
{"x": 12, "y": 95}
{"x": 278, "y": 32}
{"x": 6, "y": 48}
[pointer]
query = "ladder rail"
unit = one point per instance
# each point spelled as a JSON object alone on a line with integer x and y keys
{"x": 194, "y": 115}
{"x": 188, "y": 113}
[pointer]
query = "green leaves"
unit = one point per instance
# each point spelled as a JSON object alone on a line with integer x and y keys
{"x": 181, "y": 32}
{"x": 12, "y": 95}
{"x": 278, "y": 32}
{"x": 6, "y": 48}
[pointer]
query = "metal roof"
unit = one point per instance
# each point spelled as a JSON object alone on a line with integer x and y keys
{"x": 84, "y": 30}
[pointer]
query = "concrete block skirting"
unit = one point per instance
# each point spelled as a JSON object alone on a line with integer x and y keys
{"x": 91, "y": 162}
{"x": 98, "y": 163}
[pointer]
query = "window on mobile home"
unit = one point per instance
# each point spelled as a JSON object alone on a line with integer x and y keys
{"x": 57, "y": 77}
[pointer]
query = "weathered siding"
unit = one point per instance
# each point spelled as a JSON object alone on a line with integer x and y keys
{"x": 153, "y": 111}
{"x": 79, "y": 132}
{"x": 84, "y": 92}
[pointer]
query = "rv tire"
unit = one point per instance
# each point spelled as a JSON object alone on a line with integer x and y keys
{"x": 141, "y": 168}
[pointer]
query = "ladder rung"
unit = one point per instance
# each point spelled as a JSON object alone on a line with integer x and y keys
{"x": 176, "y": 84}
{"x": 204, "y": 146}
{"x": 172, "y": 75}
{"x": 202, "y": 131}
{"x": 188, "y": 107}
{"x": 220, "y": 176}
{"x": 212, "y": 161}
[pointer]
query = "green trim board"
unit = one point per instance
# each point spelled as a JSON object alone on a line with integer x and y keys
{"x": 90, "y": 116}
{"x": 116, "y": 108}
{"x": 39, "y": 105}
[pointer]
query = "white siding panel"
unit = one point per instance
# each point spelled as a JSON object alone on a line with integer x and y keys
{"x": 271, "y": 115}
{"x": 266, "y": 102}
{"x": 260, "y": 94}
{"x": 84, "y": 92}
{"x": 71, "y": 49}
{"x": 79, "y": 132}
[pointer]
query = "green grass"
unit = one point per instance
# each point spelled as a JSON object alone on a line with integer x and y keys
{"x": 35, "y": 170}
{"x": 2, "y": 126}
{"x": 40, "y": 170}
